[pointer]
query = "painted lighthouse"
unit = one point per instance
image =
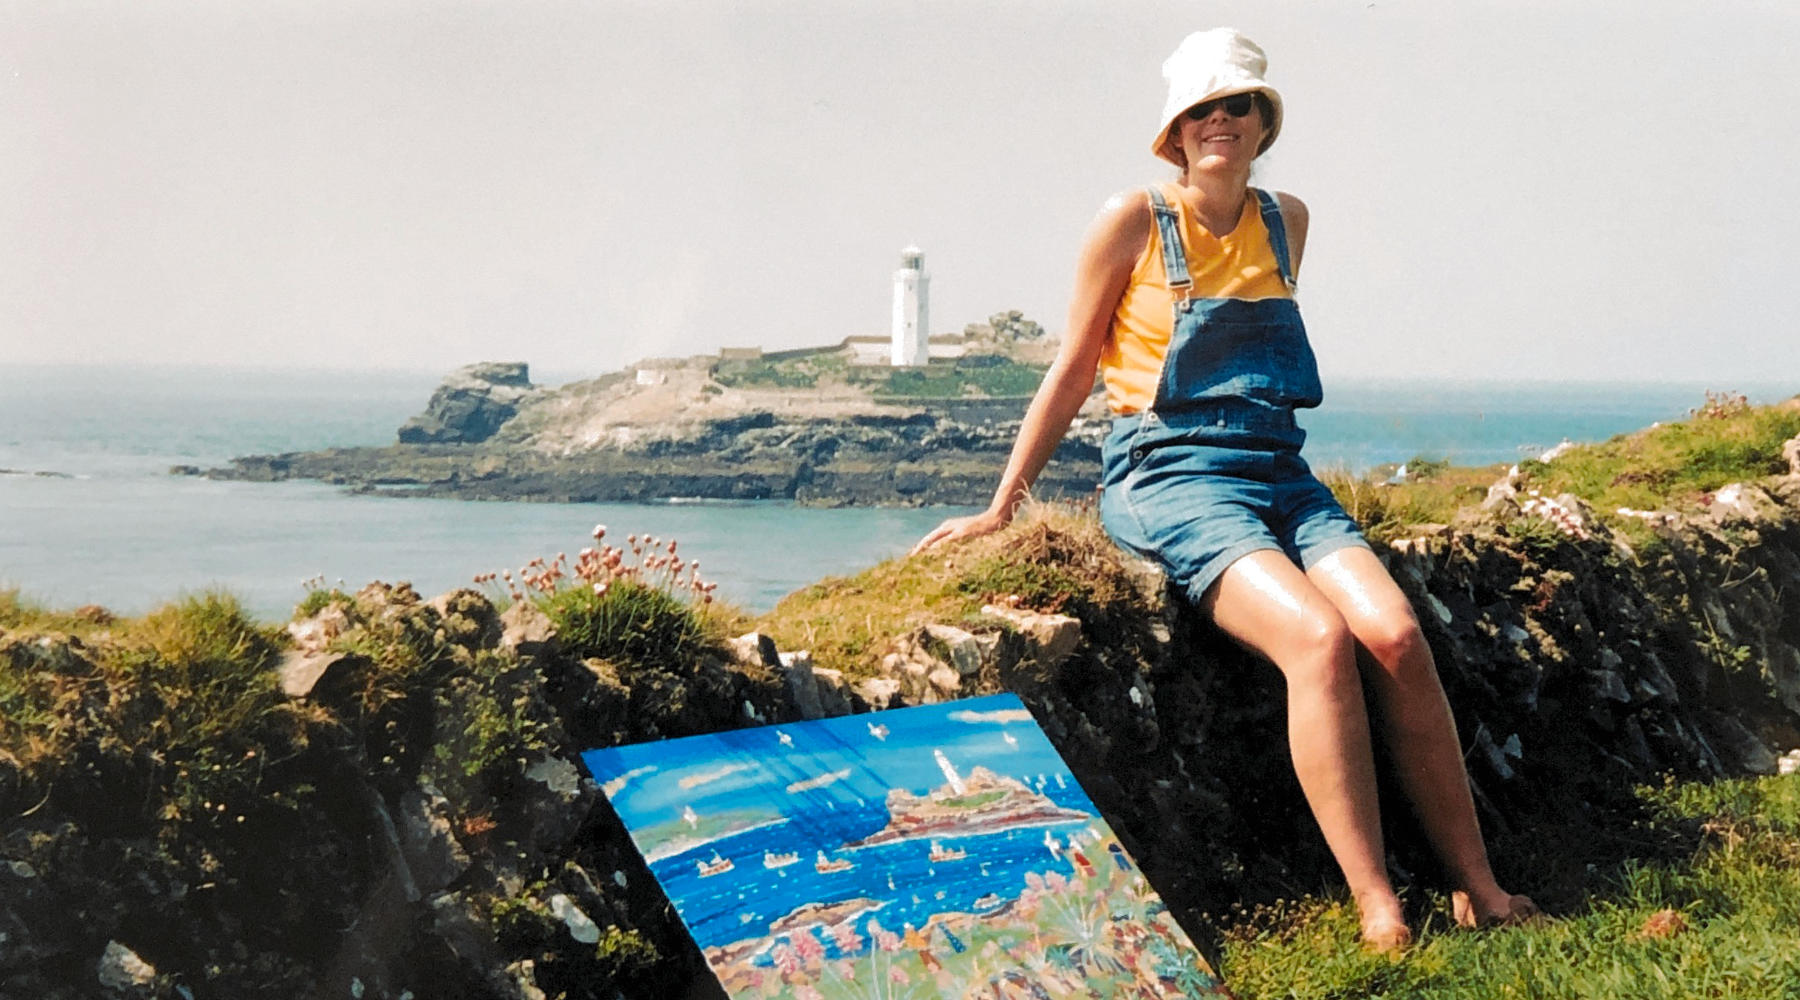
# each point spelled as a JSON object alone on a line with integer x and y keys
{"x": 912, "y": 292}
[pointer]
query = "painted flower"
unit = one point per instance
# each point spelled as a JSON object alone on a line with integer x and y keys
{"x": 808, "y": 948}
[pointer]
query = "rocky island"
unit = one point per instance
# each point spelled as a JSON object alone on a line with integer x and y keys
{"x": 986, "y": 802}
{"x": 830, "y": 426}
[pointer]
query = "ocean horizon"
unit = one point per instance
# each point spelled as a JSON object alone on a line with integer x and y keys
{"x": 89, "y": 513}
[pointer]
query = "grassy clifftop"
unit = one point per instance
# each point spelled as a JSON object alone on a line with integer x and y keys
{"x": 381, "y": 795}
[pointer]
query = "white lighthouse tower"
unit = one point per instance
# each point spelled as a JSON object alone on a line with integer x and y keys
{"x": 912, "y": 290}
{"x": 950, "y": 775}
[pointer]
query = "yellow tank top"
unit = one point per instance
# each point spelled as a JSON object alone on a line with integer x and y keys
{"x": 1239, "y": 265}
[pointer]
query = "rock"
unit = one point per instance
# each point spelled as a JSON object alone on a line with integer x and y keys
{"x": 880, "y": 692}
{"x": 834, "y": 692}
{"x": 1791, "y": 452}
{"x": 526, "y": 630}
{"x": 460, "y": 923}
{"x": 1789, "y": 763}
{"x": 1052, "y": 637}
{"x": 801, "y": 683}
{"x": 965, "y": 652}
{"x": 121, "y": 969}
{"x": 301, "y": 672}
{"x": 427, "y": 841}
{"x": 1504, "y": 492}
{"x": 754, "y": 649}
{"x": 581, "y": 927}
{"x": 556, "y": 803}
{"x": 313, "y": 635}
{"x": 1736, "y": 740}
{"x": 1741, "y": 502}
{"x": 1609, "y": 685}
{"x": 470, "y": 405}
{"x": 522, "y": 977}
{"x": 945, "y": 681}
{"x": 1439, "y": 609}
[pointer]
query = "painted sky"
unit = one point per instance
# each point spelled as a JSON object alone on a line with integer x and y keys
{"x": 1499, "y": 188}
{"x": 780, "y": 768}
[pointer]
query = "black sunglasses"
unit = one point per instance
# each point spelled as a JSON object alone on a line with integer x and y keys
{"x": 1237, "y": 106}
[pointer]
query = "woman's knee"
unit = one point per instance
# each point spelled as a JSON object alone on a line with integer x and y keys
{"x": 1319, "y": 649}
{"x": 1394, "y": 636}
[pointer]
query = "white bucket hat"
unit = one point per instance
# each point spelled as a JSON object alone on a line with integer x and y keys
{"x": 1209, "y": 64}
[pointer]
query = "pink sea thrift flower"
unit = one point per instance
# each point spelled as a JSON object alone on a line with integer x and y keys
{"x": 808, "y": 948}
{"x": 785, "y": 959}
{"x": 847, "y": 940}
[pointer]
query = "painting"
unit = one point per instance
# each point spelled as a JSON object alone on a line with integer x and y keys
{"x": 938, "y": 851}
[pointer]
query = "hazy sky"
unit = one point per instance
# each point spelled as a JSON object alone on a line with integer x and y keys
{"x": 1520, "y": 188}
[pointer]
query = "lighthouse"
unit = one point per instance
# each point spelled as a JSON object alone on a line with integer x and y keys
{"x": 949, "y": 769}
{"x": 912, "y": 290}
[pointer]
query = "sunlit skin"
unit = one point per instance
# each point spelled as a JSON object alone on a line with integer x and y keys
{"x": 1327, "y": 629}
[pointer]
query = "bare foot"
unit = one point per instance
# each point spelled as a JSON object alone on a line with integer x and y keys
{"x": 1386, "y": 937}
{"x": 1384, "y": 929}
{"x": 1497, "y": 909}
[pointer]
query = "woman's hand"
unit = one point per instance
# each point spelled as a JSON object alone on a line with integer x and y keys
{"x": 958, "y": 529}
{"x": 1107, "y": 256}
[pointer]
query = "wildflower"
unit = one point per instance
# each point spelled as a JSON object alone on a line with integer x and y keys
{"x": 785, "y": 959}
{"x": 599, "y": 532}
{"x": 808, "y": 947}
{"x": 846, "y": 939}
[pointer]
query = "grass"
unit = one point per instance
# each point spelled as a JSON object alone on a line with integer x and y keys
{"x": 1052, "y": 558}
{"x": 1721, "y": 922}
{"x": 1433, "y": 495}
{"x": 1670, "y": 466}
{"x": 1675, "y": 463}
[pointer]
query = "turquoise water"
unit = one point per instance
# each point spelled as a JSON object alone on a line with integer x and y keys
{"x": 111, "y": 527}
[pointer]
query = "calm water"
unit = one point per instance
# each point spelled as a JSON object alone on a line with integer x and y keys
{"x": 112, "y": 527}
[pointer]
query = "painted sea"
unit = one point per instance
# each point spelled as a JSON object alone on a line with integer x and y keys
{"x": 932, "y": 851}
{"x": 89, "y": 513}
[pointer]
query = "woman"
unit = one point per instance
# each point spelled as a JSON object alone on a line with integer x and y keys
{"x": 1184, "y": 301}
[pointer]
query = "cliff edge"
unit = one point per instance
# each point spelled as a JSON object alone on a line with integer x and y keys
{"x": 383, "y": 797}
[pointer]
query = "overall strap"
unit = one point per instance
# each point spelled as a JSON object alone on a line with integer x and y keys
{"x": 1168, "y": 223}
{"x": 1271, "y": 216}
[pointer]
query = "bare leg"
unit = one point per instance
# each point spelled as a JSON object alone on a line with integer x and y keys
{"x": 1267, "y": 605}
{"x": 1418, "y": 726}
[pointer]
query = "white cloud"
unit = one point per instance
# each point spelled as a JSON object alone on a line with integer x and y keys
{"x": 616, "y": 785}
{"x": 708, "y": 777}
{"x": 1002, "y": 716}
{"x": 819, "y": 782}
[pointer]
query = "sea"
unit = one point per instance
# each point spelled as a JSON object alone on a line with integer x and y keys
{"x": 90, "y": 514}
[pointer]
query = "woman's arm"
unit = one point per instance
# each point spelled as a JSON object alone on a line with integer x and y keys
{"x": 1108, "y": 253}
{"x": 1295, "y": 217}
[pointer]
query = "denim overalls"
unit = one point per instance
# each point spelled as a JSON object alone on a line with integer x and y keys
{"x": 1212, "y": 470}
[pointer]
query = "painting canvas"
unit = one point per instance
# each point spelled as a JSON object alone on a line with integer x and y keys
{"x": 939, "y": 851}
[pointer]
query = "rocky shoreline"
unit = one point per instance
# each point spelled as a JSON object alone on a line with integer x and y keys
{"x": 488, "y": 434}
